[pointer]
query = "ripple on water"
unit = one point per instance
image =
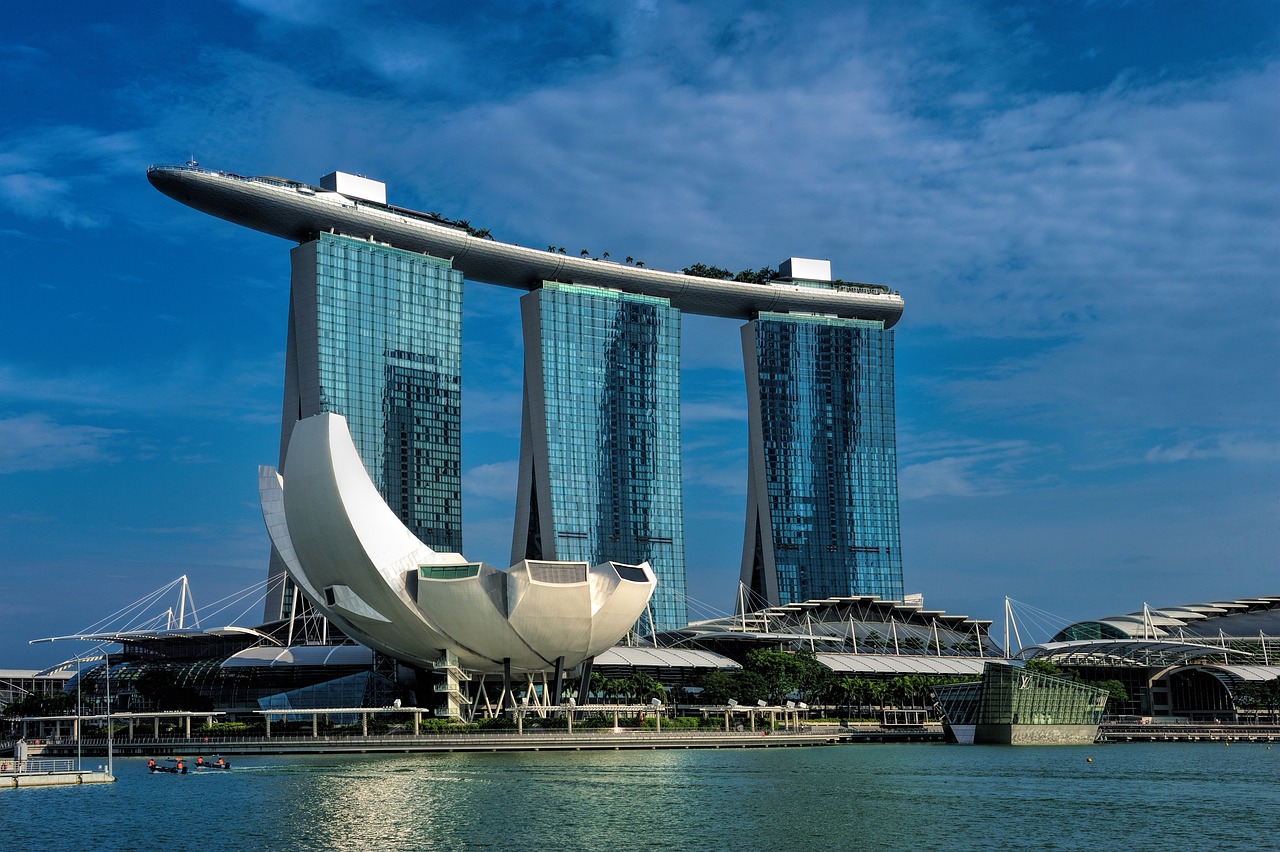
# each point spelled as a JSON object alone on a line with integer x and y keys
{"x": 919, "y": 796}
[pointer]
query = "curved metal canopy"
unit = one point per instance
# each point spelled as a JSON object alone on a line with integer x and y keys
{"x": 1144, "y": 653}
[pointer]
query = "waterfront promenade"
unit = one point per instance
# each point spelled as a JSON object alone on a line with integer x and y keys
{"x": 599, "y": 739}
{"x": 583, "y": 740}
{"x": 1128, "y": 732}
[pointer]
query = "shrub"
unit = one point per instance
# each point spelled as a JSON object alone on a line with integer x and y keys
{"x": 223, "y": 729}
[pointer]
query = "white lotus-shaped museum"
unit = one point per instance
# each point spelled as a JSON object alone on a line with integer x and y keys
{"x": 359, "y": 565}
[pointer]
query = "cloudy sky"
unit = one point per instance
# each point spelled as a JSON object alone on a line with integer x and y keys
{"x": 1077, "y": 200}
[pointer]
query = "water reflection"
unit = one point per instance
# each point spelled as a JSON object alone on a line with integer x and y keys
{"x": 866, "y": 796}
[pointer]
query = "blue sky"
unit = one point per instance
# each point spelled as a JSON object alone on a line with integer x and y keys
{"x": 1078, "y": 201}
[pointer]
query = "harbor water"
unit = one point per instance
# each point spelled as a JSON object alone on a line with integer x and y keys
{"x": 916, "y": 796}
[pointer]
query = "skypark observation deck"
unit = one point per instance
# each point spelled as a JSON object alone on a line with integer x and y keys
{"x": 299, "y": 211}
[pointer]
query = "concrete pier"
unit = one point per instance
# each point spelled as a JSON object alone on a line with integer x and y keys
{"x": 48, "y": 773}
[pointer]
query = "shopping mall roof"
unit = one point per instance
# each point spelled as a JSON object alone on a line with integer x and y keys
{"x": 300, "y": 655}
{"x": 1241, "y": 617}
{"x": 848, "y": 619}
{"x": 1254, "y": 674}
{"x": 1146, "y": 653}
{"x": 648, "y": 657}
{"x": 900, "y": 664}
{"x": 187, "y": 634}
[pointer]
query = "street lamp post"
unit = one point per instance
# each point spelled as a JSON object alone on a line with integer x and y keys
{"x": 110, "y": 757}
{"x": 79, "y": 729}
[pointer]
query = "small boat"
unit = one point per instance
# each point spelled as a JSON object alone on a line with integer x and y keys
{"x": 217, "y": 763}
{"x": 175, "y": 766}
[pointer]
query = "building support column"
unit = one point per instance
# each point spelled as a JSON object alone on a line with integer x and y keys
{"x": 508, "y": 700}
{"x": 584, "y": 684}
{"x": 557, "y": 694}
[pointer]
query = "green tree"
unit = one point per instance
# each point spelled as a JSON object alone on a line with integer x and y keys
{"x": 878, "y": 692}
{"x": 643, "y": 686}
{"x": 752, "y": 687}
{"x": 1116, "y": 693}
{"x": 783, "y": 673}
{"x": 1043, "y": 667}
{"x": 39, "y": 704}
{"x": 702, "y": 270}
{"x": 1259, "y": 695}
{"x": 718, "y": 687}
{"x": 763, "y": 275}
{"x": 912, "y": 643}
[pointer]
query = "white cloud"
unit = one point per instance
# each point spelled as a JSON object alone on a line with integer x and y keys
{"x": 971, "y": 469}
{"x": 38, "y": 196}
{"x": 495, "y": 481}
{"x": 35, "y": 442}
{"x": 1234, "y": 448}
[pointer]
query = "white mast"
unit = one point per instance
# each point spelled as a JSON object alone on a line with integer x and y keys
{"x": 1009, "y": 621}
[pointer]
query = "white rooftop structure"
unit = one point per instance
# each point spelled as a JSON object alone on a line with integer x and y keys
{"x": 351, "y": 205}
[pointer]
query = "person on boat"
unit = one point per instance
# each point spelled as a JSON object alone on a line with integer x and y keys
{"x": 220, "y": 761}
{"x": 199, "y": 761}
{"x": 151, "y": 764}
{"x": 182, "y": 767}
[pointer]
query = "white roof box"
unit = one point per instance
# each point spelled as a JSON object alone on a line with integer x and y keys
{"x": 806, "y": 269}
{"x": 355, "y": 186}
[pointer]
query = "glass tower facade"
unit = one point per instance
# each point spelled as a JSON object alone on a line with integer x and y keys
{"x": 600, "y": 436}
{"x": 375, "y": 335}
{"x": 822, "y": 495}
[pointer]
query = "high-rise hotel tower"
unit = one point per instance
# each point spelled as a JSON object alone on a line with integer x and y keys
{"x": 822, "y": 488}
{"x": 600, "y": 436}
{"x": 375, "y": 335}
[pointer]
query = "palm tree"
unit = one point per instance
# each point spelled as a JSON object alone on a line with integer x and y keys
{"x": 878, "y": 691}
{"x": 584, "y": 253}
{"x": 604, "y": 256}
{"x": 630, "y": 259}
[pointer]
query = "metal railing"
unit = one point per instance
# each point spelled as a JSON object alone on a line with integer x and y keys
{"x": 37, "y": 767}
